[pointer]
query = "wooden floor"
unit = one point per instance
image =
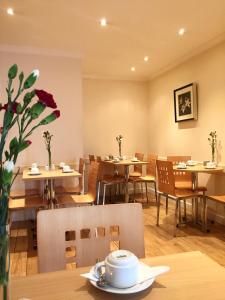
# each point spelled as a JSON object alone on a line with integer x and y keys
{"x": 158, "y": 240}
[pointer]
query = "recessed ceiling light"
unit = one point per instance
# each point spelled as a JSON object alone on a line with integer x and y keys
{"x": 132, "y": 69}
{"x": 10, "y": 11}
{"x": 146, "y": 58}
{"x": 181, "y": 31}
{"x": 103, "y": 22}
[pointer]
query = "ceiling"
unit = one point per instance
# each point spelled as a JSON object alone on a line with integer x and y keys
{"x": 136, "y": 28}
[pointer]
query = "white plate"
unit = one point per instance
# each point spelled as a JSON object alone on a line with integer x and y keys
{"x": 34, "y": 174}
{"x": 181, "y": 168}
{"x": 210, "y": 167}
{"x": 143, "y": 269}
{"x": 135, "y": 160}
{"x": 68, "y": 171}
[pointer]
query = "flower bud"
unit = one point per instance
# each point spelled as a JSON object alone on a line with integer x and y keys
{"x": 8, "y": 166}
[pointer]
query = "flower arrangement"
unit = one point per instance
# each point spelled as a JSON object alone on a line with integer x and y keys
{"x": 119, "y": 141}
{"x": 48, "y": 137}
{"x": 213, "y": 142}
{"x": 21, "y": 114}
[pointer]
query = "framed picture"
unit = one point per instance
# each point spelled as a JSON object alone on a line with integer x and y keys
{"x": 185, "y": 103}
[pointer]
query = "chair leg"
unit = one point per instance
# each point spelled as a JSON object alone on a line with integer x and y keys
{"x": 180, "y": 213}
{"x": 166, "y": 205}
{"x": 155, "y": 191}
{"x": 104, "y": 190}
{"x": 134, "y": 187}
{"x": 98, "y": 194}
{"x": 185, "y": 210}
{"x": 142, "y": 192}
{"x": 146, "y": 189}
{"x": 158, "y": 209}
{"x": 175, "y": 218}
{"x": 204, "y": 214}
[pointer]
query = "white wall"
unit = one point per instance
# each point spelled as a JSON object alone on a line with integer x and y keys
{"x": 111, "y": 108}
{"x": 62, "y": 77}
{"x": 191, "y": 137}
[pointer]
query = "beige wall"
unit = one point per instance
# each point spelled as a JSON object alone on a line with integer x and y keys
{"x": 62, "y": 77}
{"x": 190, "y": 138}
{"x": 114, "y": 107}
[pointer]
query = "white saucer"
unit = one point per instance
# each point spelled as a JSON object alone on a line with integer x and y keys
{"x": 68, "y": 171}
{"x": 181, "y": 168}
{"x": 210, "y": 167}
{"x": 143, "y": 269}
{"x": 34, "y": 174}
{"x": 135, "y": 160}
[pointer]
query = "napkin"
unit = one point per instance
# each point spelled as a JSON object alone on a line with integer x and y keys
{"x": 146, "y": 273}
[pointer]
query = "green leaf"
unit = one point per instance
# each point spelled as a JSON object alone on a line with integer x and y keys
{"x": 36, "y": 110}
{"x": 6, "y": 177}
{"x": 13, "y": 145}
{"x": 29, "y": 81}
{"x": 6, "y": 155}
{"x": 28, "y": 97}
{"x": 21, "y": 76}
{"x": 24, "y": 145}
{"x": 50, "y": 118}
{"x": 12, "y": 71}
{"x": 8, "y": 117}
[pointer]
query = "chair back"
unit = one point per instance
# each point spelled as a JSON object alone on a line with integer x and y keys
{"x": 81, "y": 171}
{"x": 98, "y": 158}
{"x": 166, "y": 180}
{"x": 181, "y": 175}
{"x": 103, "y": 224}
{"x": 93, "y": 178}
{"x": 138, "y": 168}
{"x": 91, "y": 157}
{"x": 151, "y": 166}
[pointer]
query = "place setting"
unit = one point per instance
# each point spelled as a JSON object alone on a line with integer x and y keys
{"x": 34, "y": 170}
{"x": 122, "y": 273}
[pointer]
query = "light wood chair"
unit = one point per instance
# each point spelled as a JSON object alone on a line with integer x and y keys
{"x": 108, "y": 180}
{"x": 60, "y": 190}
{"x": 166, "y": 188}
{"x": 150, "y": 176}
{"x": 220, "y": 199}
{"x": 102, "y": 224}
{"x": 85, "y": 199}
{"x": 91, "y": 157}
{"x": 137, "y": 168}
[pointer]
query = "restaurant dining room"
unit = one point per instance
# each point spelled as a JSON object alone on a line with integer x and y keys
{"x": 112, "y": 150}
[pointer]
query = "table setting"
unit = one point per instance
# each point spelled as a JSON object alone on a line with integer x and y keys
{"x": 122, "y": 273}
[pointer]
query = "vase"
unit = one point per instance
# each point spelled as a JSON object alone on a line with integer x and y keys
{"x": 213, "y": 154}
{"x": 49, "y": 159}
{"x": 120, "y": 151}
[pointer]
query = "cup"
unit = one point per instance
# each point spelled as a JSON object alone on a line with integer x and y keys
{"x": 116, "y": 159}
{"x": 182, "y": 165}
{"x": 211, "y": 164}
{"x": 106, "y": 157}
{"x": 66, "y": 168}
{"x": 61, "y": 164}
{"x": 134, "y": 158}
{"x": 205, "y": 162}
{"x": 47, "y": 168}
{"x": 34, "y": 170}
{"x": 34, "y": 165}
{"x": 121, "y": 269}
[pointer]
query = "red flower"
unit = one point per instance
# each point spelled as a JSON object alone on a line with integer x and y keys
{"x": 56, "y": 113}
{"x": 1, "y": 129}
{"x": 46, "y": 98}
{"x": 28, "y": 142}
{"x": 14, "y": 107}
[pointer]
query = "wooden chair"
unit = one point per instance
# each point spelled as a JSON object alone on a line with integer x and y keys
{"x": 150, "y": 176}
{"x": 137, "y": 168}
{"x": 218, "y": 199}
{"x": 98, "y": 158}
{"x": 102, "y": 225}
{"x": 166, "y": 188}
{"x": 89, "y": 198}
{"x": 183, "y": 180}
{"x": 91, "y": 157}
{"x": 59, "y": 190}
{"x": 108, "y": 180}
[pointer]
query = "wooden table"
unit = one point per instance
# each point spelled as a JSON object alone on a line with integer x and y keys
{"x": 49, "y": 177}
{"x": 126, "y": 164}
{"x": 194, "y": 170}
{"x": 193, "y": 276}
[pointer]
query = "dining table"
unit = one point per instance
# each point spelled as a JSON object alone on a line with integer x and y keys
{"x": 126, "y": 163}
{"x": 195, "y": 170}
{"x": 49, "y": 177}
{"x": 192, "y": 276}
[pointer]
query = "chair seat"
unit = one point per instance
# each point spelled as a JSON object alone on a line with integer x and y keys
{"x": 72, "y": 200}
{"x": 23, "y": 193}
{"x": 188, "y": 185}
{"x": 135, "y": 174}
{"x": 147, "y": 178}
{"x": 112, "y": 180}
{"x": 68, "y": 190}
{"x": 186, "y": 193}
{"x": 220, "y": 199}
{"x": 26, "y": 203}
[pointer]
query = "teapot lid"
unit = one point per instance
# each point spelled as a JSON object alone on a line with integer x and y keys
{"x": 121, "y": 258}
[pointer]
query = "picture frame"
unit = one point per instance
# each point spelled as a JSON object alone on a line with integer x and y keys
{"x": 185, "y": 103}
